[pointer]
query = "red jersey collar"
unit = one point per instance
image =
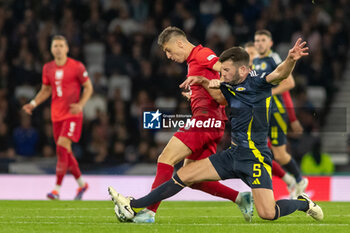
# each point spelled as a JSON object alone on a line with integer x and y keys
{"x": 67, "y": 61}
{"x": 190, "y": 57}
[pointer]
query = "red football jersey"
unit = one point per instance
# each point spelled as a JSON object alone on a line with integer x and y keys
{"x": 200, "y": 63}
{"x": 65, "y": 82}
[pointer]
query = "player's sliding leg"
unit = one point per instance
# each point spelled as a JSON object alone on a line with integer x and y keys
{"x": 244, "y": 200}
{"x": 194, "y": 172}
{"x": 278, "y": 171}
{"x": 174, "y": 152}
{"x": 268, "y": 209}
{"x": 285, "y": 159}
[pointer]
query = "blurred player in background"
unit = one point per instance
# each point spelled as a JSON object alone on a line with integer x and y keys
{"x": 194, "y": 143}
{"x": 62, "y": 79}
{"x": 277, "y": 170}
{"x": 282, "y": 105}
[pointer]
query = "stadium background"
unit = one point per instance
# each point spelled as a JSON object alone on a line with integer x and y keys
{"x": 116, "y": 40}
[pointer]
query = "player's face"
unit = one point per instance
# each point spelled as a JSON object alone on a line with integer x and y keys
{"x": 59, "y": 49}
{"x": 229, "y": 72}
{"x": 252, "y": 53}
{"x": 262, "y": 44}
{"x": 174, "y": 51}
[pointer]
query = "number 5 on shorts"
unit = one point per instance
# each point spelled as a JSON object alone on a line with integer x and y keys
{"x": 256, "y": 170}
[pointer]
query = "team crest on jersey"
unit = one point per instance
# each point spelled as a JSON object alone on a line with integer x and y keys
{"x": 85, "y": 74}
{"x": 211, "y": 57}
{"x": 59, "y": 74}
{"x": 240, "y": 89}
{"x": 263, "y": 66}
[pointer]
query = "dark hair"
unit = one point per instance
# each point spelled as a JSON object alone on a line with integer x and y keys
{"x": 237, "y": 55}
{"x": 169, "y": 33}
{"x": 263, "y": 32}
{"x": 59, "y": 37}
{"x": 249, "y": 44}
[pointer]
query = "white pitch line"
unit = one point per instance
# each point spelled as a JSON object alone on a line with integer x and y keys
{"x": 178, "y": 224}
{"x": 187, "y": 216}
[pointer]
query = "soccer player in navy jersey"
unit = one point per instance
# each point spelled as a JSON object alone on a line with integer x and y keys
{"x": 248, "y": 95}
{"x": 277, "y": 170}
{"x": 282, "y": 110}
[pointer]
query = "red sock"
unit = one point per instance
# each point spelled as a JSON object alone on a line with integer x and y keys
{"x": 164, "y": 173}
{"x": 215, "y": 188}
{"x": 73, "y": 166}
{"x": 62, "y": 163}
{"x": 277, "y": 170}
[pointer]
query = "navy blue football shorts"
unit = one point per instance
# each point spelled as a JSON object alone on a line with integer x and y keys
{"x": 252, "y": 165}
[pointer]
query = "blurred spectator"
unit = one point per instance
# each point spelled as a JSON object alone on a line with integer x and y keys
{"x": 6, "y": 148}
{"x": 47, "y": 142}
{"x": 127, "y": 25}
{"x": 25, "y": 138}
{"x": 97, "y": 146}
{"x": 316, "y": 162}
{"x": 219, "y": 27}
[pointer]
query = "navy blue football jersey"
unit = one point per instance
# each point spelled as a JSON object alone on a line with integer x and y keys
{"x": 249, "y": 112}
{"x": 269, "y": 64}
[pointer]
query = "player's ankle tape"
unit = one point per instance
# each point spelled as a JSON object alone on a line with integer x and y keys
{"x": 178, "y": 181}
{"x": 278, "y": 212}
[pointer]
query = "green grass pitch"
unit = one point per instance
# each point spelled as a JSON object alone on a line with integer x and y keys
{"x": 98, "y": 216}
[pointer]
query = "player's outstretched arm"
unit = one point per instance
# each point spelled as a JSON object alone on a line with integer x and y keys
{"x": 285, "y": 85}
{"x": 213, "y": 90}
{"x": 43, "y": 94}
{"x": 88, "y": 90}
{"x": 284, "y": 69}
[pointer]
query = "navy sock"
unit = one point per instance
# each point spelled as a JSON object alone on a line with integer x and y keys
{"x": 293, "y": 168}
{"x": 166, "y": 190}
{"x": 286, "y": 207}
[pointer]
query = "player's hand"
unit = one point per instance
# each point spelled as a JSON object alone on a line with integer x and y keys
{"x": 297, "y": 129}
{"x": 190, "y": 81}
{"x": 214, "y": 84}
{"x": 75, "y": 108}
{"x": 187, "y": 95}
{"x": 28, "y": 108}
{"x": 299, "y": 50}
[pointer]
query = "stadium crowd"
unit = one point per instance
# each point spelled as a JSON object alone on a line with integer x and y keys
{"x": 117, "y": 42}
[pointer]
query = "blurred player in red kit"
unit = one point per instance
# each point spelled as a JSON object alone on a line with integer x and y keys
{"x": 62, "y": 79}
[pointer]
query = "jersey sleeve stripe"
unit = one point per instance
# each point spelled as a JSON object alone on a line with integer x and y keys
{"x": 276, "y": 58}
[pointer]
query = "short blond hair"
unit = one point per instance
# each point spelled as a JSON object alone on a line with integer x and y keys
{"x": 169, "y": 33}
{"x": 59, "y": 37}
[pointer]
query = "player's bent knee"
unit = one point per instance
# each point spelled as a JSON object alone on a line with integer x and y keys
{"x": 267, "y": 214}
{"x": 64, "y": 142}
{"x": 165, "y": 158}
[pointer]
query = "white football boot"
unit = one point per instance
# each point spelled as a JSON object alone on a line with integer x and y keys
{"x": 144, "y": 216}
{"x": 122, "y": 208}
{"x": 314, "y": 210}
{"x": 246, "y": 205}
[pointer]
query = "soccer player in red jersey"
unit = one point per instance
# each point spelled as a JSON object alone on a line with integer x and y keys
{"x": 194, "y": 143}
{"x": 62, "y": 79}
